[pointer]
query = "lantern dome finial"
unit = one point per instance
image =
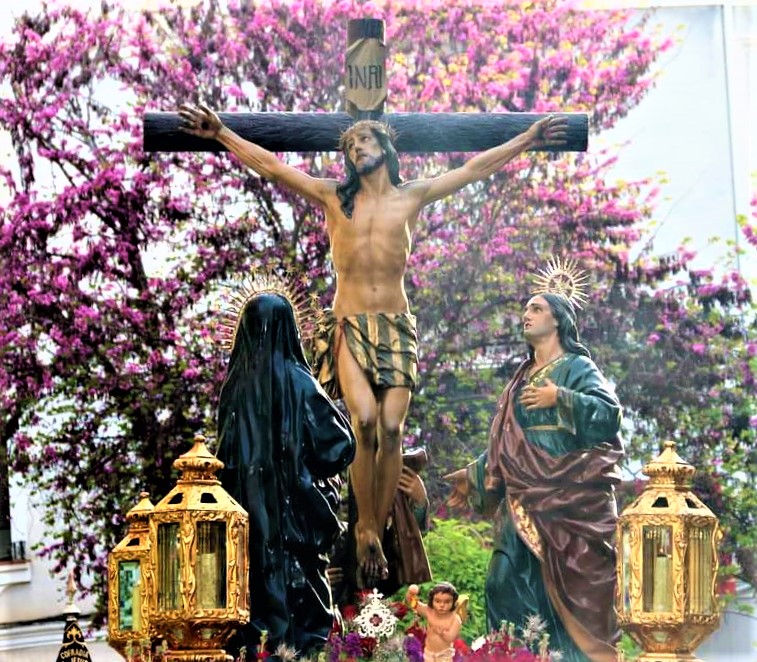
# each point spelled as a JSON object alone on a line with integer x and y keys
{"x": 141, "y": 512}
{"x": 198, "y": 463}
{"x": 669, "y": 469}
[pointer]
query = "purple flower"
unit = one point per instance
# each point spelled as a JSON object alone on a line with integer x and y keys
{"x": 352, "y": 644}
{"x": 236, "y": 91}
{"x": 335, "y": 649}
{"x": 413, "y": 649}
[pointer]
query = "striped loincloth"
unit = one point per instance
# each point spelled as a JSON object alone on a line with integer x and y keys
{"x": 384, "y": 345}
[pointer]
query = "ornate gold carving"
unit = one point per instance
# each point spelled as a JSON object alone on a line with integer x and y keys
{"x": 189, "y": 545}
{"x": 193, "y": 630}
{"x": 134, "y": 548}
{"x": 666, "y": 503}
{"x": 636, "y": 583}
{"x": 526, "y": 527}
{"x": 542, "y": 374}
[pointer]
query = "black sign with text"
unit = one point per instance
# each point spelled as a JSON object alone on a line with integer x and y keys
{"x": 73, "y": 648}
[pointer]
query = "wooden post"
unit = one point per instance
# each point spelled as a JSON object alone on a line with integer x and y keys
{"x": 365, "y": 69}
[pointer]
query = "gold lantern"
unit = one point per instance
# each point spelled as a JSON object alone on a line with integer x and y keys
{"x": 667, "y": 564}
{"x": 198, "y": 551}
{"x": 129, "y": 576}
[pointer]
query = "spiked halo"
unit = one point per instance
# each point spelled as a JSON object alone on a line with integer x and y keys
{"x": 565, "y": 278}
{"x": 292, "y": 288}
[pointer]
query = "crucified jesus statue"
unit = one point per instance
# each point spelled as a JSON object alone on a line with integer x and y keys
{"x": 370, "y": 219}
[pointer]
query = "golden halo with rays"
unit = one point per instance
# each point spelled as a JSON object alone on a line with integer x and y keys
{"x": 565, "y": 278}
{"x": 292, "y": 288}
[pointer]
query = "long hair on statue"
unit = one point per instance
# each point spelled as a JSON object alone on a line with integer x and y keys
{"x": 347, "y": 189}
{"x": 567, "y": 325}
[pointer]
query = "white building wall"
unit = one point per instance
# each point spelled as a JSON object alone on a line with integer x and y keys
{"x": 696, "y": 128}
{"x": 30, "y": 596}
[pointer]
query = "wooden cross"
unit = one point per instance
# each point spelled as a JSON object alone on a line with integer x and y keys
{"x": 365, "y": 82}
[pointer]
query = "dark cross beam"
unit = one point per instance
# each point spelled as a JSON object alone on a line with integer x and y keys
{"x": 319, "y": 132}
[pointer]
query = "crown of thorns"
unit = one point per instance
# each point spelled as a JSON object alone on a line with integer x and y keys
{"x": 373, "y": 125}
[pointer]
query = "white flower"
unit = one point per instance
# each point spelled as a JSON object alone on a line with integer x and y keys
{"x": 533, "y": 628}
{"x": 285, "y": 653}
{"x": 477, "y": 643}
{"x": 536, "y": 623}
{"x": 393, "y": 644}
{"x": 555, "y": 656}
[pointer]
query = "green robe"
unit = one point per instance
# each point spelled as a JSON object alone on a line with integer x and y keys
{"x": 553, "y": 549}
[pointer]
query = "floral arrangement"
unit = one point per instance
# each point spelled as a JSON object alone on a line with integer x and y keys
{"x": 504, "y": 646}
{"x": 381, "y": 631}
{"x": 384, "y": 631}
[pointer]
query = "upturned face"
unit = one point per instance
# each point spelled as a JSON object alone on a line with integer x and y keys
{"x": 365, "y": 151}
{"x": 538, "y": 320}
{"x": 442, "y": 603}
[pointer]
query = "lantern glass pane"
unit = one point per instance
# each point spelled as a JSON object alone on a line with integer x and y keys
{"x": 625, "y": 569}
{"x": 168, "y": 570}
{"x": 657, "y": 569}
{"x": 699, "y": 570}
{"x": 211, "y": 565}
{"x": 129, "y": 597}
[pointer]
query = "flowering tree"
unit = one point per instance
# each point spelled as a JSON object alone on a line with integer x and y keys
{"x": 111, "y": 258}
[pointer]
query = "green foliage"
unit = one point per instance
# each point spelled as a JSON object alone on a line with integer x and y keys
{"x": 630, "y": 649}
{"x": 454, "y": 411}
{"x": 459, "y": 553}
